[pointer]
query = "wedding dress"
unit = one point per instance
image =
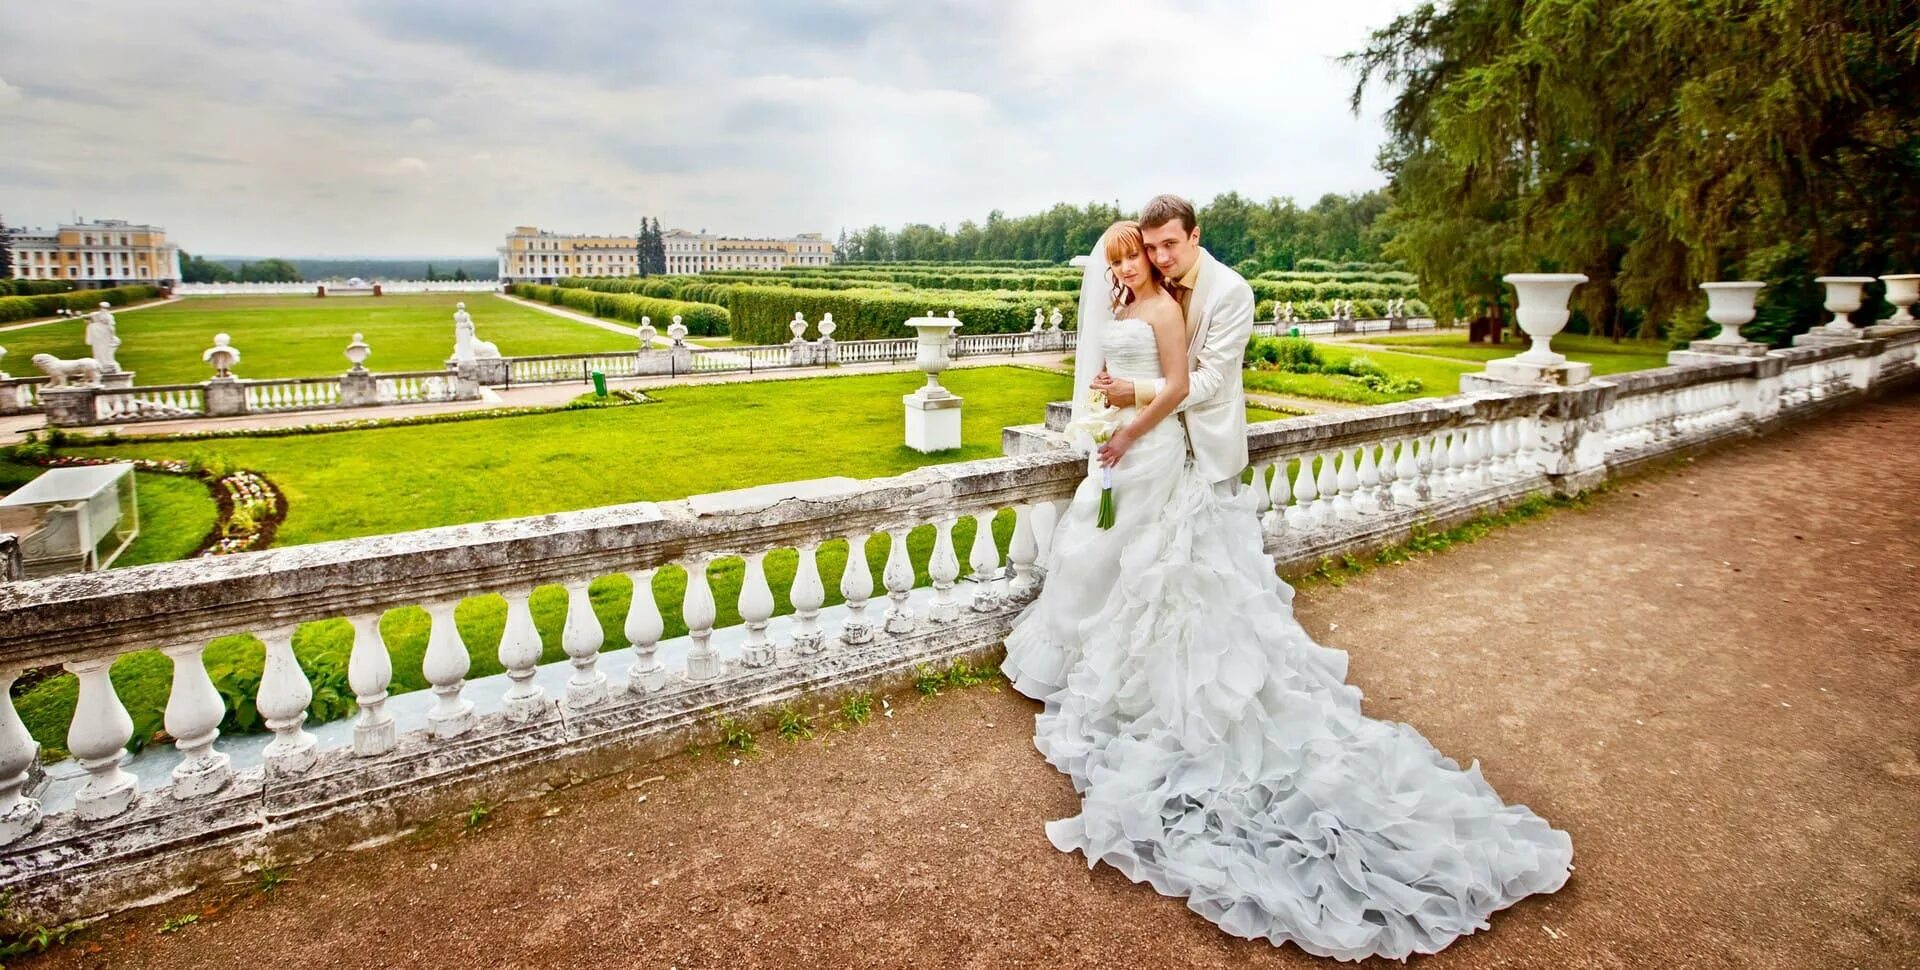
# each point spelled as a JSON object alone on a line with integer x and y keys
{"x": 1219, "y": 753}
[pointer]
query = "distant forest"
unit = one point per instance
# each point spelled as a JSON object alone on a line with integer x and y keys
{"x": 200, "y": 269}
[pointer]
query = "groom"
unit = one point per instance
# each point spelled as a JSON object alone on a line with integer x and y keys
{"x": 1219, "y": 309}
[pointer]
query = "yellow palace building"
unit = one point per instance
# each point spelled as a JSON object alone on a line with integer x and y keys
{"x": 109, "y": 252}
{"x": 533, "y": 256}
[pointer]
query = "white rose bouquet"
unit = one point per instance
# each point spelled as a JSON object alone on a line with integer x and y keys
{"x": 1098, "y": 424}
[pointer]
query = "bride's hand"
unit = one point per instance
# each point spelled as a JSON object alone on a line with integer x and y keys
{"x": 1115, "y": 448}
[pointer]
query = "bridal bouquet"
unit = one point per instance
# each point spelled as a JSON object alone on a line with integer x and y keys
{"x": 1101, "y": 420}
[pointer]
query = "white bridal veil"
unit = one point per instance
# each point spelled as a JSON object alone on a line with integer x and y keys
{"x": 1096, "y": 311}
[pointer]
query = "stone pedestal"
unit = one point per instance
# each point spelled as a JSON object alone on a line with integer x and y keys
{"x": 1518, "y": 370}
{"x": 799, "y": 352}
{"x": 358, "y": 389}
{"x": 465, "y": 383}
{"x": 226, "y": 397}
{"x": 1881, "y": 331}
{"x": 825, "y": 351}
{"x": 116, "y": 380}
{"x": 651, "y": 362}
{"x": 68, "y": 406}
{"x": 1822, "y": 337}
{"x": 490, "y": 371}
{"x": 933, "y": 420}
{"x": 682, "y": 357}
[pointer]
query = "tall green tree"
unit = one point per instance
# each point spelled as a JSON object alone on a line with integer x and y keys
{"x": 1651, "y": 144}
{"x": 659, "y": 250}
{"x": 6, "y": 251}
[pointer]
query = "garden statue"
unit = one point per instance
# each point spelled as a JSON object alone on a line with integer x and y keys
{"x": 3, "y": 356}
{"x": 677, "y": 331}
{"x": 63, "y": 372}
{"x": 102, "y": 338}
{"x": 467, "y": 346}
{"x": 357, "y": 353}
{"x": 1053, "y": 320}
{"x": 798, "y": 326}
{"x": 827, "y": 326}
{"x": 223, "y": 355}
{"x": 647, "y": 333}
{"x": 1039, "y": 320}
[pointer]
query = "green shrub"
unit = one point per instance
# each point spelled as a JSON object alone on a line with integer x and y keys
{"x": 701, "y": 319}
{"x": 48, "y": 304}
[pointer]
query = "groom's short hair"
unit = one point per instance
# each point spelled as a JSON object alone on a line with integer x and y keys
{"x": 1162, "y": 209}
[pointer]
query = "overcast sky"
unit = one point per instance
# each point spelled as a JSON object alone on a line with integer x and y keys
{"x": 431, "y": 127}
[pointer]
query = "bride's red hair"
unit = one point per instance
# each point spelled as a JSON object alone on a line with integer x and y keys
{"x": 1123, "y": 239}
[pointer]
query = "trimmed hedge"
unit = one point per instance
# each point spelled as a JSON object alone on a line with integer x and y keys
{"x": 761, "y": 313}
{"x": 1301, "y": 290}
{"x": 701, "y": 319}
{"x": 33, "y": 287}
{"x": 1382, "y": 276}
{"x": 1323, "y": 309}
{"x": 46, "y": 305}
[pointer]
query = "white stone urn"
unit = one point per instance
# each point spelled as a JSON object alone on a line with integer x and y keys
{"x": 1731, "y": 306}
{"x": 798, "y": 326}
{"x": 677, "y": 331}
{"x": 827, "y": 326}
{"x": 1903, "y": 291}
{"x": 931, "y": 356}
{"x": 1541, "y": 308}
{"x": 222, "y": 356}
{"x": 1844, "y": 296}
{"x": 357, "y": 353}
{"x": 647, "y": 333}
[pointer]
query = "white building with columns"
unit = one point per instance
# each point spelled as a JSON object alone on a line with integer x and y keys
{"x": 532, "y": 255}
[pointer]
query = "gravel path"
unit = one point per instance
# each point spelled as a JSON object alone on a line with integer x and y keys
{"x": 1710, "y": 677}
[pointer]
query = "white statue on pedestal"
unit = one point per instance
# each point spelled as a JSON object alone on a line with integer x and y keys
{"x": 1053, "y": 320}
{"x": 67, "y": 373}
{"x": 223, "y": 355}
{"x": 103, "y": 339}
{"x": 1039, "y": 320}
{"x": 647, "y": 333}
{"x": 467, "y": 346}
{"x": 798, "y": 326}
{"x": 677, "y": 331}
{"x": 827, "y": 327}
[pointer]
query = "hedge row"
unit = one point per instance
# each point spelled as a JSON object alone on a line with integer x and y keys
{"x": 46, "y": 305}
{"x": 941, "y": 264}
{"x": 1272, "y": 290}
{"x": 1375, "y": 276}
{"x": 33, "y": 287}
{"x": 761, "y": 313}
{"x": 701, "y": 319}
{"x": 1331, "y": 266}
{"x": 1264, "y": 310}
{"x": 692, "y": 289}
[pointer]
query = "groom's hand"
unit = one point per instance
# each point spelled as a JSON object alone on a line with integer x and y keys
{"x": 1119, "y": 390}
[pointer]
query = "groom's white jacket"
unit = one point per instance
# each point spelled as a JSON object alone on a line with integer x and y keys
{"x": 1219, "y": 324}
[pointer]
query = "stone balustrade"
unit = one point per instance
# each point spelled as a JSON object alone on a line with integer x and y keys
{"x": 21, "y": 395}
{"x": 221, "y": 397}
{"x": 1321, "y": 328}
{"x": 309, "y": 288}
{"x": 1325, "y": 485}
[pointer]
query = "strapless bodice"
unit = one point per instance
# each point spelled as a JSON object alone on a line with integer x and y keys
{"x": 1130, "y": 350}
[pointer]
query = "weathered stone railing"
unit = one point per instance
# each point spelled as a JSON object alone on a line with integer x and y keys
{"x": 232, "y": 397}
{"x": 21, "y": 395}
{"x": 674, "y": 361}
{"x": 1318, "y": 328}
{"x": 1324, "y": 485}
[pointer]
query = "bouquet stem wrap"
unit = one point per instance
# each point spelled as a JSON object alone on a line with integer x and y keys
{"x": 1105, "y": 520}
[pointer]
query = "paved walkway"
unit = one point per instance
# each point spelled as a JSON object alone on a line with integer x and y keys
{"x": 1710, "y": 678}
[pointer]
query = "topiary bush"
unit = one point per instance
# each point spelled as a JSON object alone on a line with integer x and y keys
{"x": 700, "y": 319}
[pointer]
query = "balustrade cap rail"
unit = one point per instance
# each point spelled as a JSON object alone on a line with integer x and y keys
{"x": 137, "y": 389}
{"x": 98, "y": 615}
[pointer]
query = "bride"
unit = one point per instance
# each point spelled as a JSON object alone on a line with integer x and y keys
{"x": 1219, "y": 753}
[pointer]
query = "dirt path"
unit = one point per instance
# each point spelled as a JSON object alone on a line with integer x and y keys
{"x": 1711, "y": 678}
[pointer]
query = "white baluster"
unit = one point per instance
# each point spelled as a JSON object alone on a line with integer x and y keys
{"x": 1457, "y": 479}
{"x": 445, "y": 667}
{"x": 1262, "y": 501}
{"x": 1406, "y": 477}
{"x": 520, "y": 650}
{"x": 194, "y": 709}
{"x": 1496, "y": 441}
{"x": 283, "y": 699}
{"x": 856, "y": 586}
{"x": 898, "y": 575}
{"x": 1433, "y": 467}
{"x": 1325, "y": 508}
{"x": 97, "y": 738}
{"x": 1023, "y": 552}
{"x": 644, "y": 627}
{"x": 984, "y": 560}
{"x": 703, "y": 662}
{"x": 1046, "y": 518}
{"x": 19, "y": 815}
{"x": 1367, "y": 499}
{"x": 1300, "y": 514}
{"x": 807, "y": 595}
{"x": 756, "y": 608}
{"x": 1278, "y": 496}
{"x": 582, "y": 637}
{"x": 1347, "y": 473}
{"x": 369, "y": 672}
{"x": 942, "y": 568}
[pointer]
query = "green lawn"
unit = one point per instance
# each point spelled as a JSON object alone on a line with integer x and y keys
{"x": 1606, "y": 356}
{"x": 1438, "y": 378}
{"x": 695, "y": 440}
{"x": 303, "y": 336}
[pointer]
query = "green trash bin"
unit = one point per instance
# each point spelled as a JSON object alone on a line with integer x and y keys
{"x": 599, "y": 383}
{"x": 1293, "y": 331}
